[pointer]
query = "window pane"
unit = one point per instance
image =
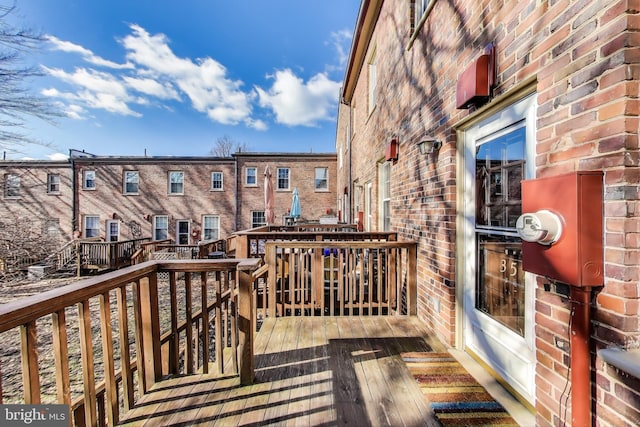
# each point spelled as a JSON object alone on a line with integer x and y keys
{"x": 216, "y": 180}
{"x": 251, "y": 176}
{"x": 322, "y": 179}
{"x": 283, "y": 179}
{"x": 131, "y": 179}
{"x": 176, "y": 180}
{"x": 12, "y": 186}
{"x": 211, "y": 227}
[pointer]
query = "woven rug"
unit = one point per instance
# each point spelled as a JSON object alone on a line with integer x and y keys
{"x": 456, "y": 398}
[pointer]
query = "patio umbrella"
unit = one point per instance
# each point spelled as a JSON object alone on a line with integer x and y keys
{"x": 269, "y": 215}
{"x": 296, "y": 211}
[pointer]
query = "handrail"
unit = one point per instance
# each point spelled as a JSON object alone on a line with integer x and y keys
{"x": 152, "y": 329}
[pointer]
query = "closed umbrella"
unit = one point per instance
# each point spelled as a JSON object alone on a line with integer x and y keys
{"x": 269, "y": 215}
{"x": 296, "y": 211}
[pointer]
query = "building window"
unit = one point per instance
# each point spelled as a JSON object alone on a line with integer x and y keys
{"x": 216, "y": 181}
{"x": 251, "y": 176}
{"x": 131, "y": 181}
{"x": 283, "y": 178}
{"x": 91, "y": 226}
{"x": 322, "y": 179}
{"x": 258, "y": 219}
{"x": 385, "y": 195}
{"x": 11, "y": 185}
{"x": 53, "y": 183}
{"x": 176, "y": 182}
{"x": 421, "y": 7}
{"x": 113, "y": 231}
{"x": 89, "y": 180}
{"x": 373, "y": 82}
{"x": 160, "y": 227}
{"x": 211, "y": 227}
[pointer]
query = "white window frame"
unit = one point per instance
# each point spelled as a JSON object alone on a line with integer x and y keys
{"x": 89, "y": 179}
{"x": 253, "y": 175}
{"x": 12, "y": 186}
{"x": 210, "y": 227}
{"x": 384, "y": 186}
{"x": 214, "y": 180}
{"x": 91, "y": 226}
{"x": 180, "y": 182}
{"x": 421, "y": 8}
{"x": 282, "y": 179}
{"x": 126, "y": 182}
{"x": 321, "y": 183}
{"x": 53, "y": 183}
{"x": 372, "y": 82}
{"x": 157, "y": 228}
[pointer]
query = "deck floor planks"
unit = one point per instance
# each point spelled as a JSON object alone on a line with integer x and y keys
{"x": 321, "y": 402}
{"x": 309, "y": 372}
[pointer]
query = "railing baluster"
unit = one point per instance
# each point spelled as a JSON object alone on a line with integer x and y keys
{"x": 125, "y": 356}
{"x": 205, "y": 323}
{"x": 61, "y": 356}
{"x": 174, "y": 341}
{"x": 30, "y": 374}
{"x": 88, "y": 374}
{"x": 111, "y": 391}
{"x": 140, "y": 365}
{"x": 189, "y": 324}
{"x": 218, "y": 322}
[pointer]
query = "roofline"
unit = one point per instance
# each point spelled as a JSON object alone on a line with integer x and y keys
{"x": 365, "y": 24}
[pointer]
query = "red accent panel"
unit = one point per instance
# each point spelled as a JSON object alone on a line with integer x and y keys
{"x": 577, "y": 257}
{"x": 474, "y": 84}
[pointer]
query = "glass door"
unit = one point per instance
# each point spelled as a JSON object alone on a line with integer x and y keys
{"x": 498, "y": 297}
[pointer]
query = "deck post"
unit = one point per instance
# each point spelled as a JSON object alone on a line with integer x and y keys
{"x": 150, "y": 329}
{"x": 412, "y": 280}
{"x": 245, "y": 322}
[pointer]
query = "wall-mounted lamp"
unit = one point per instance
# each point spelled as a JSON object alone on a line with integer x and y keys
{"x": 429, "y": 145}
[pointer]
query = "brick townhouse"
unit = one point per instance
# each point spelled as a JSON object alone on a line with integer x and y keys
{"x": 182, "y": 198}
{"x": 457, "y": 117}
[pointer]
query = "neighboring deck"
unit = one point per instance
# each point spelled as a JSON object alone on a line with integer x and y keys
{"x": 309, "y": 372}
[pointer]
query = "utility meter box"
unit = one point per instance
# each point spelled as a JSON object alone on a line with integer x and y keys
{"x": 562, "y": 227}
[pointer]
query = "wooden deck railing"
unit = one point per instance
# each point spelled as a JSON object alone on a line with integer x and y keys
{"x": 106, "y": 255}
{"x": 249, "y": 244}
{"x": 78, "y": 347}
{"x": 339, "y": 278}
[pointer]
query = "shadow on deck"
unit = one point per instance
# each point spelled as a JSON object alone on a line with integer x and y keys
{"x": 309, "y": 371}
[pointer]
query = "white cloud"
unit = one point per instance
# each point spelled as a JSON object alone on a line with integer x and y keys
{"x": 152, "y": 87}
{"x": 153, "y": 74}
{"x": 58, "y": 156}
{"x": 89, "y": 56}
{"x": 205, "y": 81}
{"x": 295, "y": 102}
{"x": 97, "y": 89}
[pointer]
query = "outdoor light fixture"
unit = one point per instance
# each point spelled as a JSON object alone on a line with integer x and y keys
{"x": 429, "y": 145}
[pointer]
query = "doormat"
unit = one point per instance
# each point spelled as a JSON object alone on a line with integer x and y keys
{"x": 456, "y": 398}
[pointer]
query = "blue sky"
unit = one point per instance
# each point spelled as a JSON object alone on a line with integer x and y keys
{"x": 171, "y": 78}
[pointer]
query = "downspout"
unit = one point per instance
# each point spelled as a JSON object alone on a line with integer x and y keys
{"x": 235, "y": 193}
{"x": 580, "y": 356}
{"x": 74, "y": 196}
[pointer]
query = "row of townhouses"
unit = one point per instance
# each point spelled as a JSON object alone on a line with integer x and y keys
{"x": 446, "y": 107}
{"x": 186, "y": 199}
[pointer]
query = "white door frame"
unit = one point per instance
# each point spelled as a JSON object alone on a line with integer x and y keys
{"x": 523, "y": 382}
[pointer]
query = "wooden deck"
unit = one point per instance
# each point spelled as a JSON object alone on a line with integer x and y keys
{"x": 322, "y": 371}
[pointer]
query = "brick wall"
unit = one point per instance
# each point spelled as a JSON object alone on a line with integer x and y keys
{"x": 314, "y": 203}
{"x": 109, "y": 201}
{"x": 36, "y": 203}
{"x": 582, "y": 57}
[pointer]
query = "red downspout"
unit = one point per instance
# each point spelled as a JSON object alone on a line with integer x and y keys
{"x": 580, "y": 356}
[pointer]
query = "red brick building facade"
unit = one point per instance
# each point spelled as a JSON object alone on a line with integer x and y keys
{"x": 186, "y": 199}
{"x": 563, "y": 99}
